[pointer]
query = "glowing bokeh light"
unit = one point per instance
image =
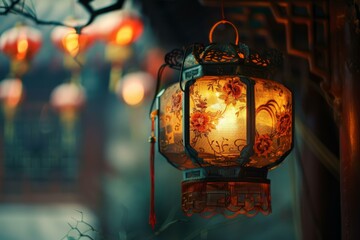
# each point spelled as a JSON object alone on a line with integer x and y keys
{"x": 133, "y": 92}
{"x": 22, "y": 47}
{"x": 71, "y": 43}
{"x": 125, "y": 35}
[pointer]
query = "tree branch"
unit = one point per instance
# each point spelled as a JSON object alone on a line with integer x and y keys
{"x": 7, "y": 7}
{"x": 24, "y": 10}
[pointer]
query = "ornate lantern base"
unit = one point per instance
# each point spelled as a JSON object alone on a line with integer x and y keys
{"x": 227, "y": 196}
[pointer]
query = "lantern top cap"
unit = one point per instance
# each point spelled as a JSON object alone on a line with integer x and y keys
{"x": 241, "y": 59}
{"x": 219, "y": 56}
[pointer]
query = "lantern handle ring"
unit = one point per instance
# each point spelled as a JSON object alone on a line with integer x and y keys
{"x": 223, "y": 21}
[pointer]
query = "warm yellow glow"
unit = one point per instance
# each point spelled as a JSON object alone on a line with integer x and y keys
{"x": 71, "y": 43}
{"x": 229, "y": 120}
{"x": 133, "y": 92}
{"x": 22, "y": 47}
{"x": 125, "y": 35}
{"x": 265, "y": 123}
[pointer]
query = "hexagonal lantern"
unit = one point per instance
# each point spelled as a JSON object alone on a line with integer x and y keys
{"x": 225, "y": 125}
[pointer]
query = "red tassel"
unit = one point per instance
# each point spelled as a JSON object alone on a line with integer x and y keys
{"x": 152, "y": 140}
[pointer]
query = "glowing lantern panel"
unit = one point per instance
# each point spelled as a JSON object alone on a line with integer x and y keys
{"x": 217, "y": 122}
{"x": 218, "y": 119}
{"x": 171, "y": 143}
{"x": 273, "y": 123}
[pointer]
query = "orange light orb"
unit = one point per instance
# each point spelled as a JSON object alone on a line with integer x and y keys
{"x": 133, "y": 93}
{"x": 11, "y": 92}
{"x": 21, "y": 42}
{"x": 134, "y": 87}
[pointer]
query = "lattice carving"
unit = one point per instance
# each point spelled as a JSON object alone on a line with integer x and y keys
{"x": 174, "y": 58}
{"x": 268, "y": 61}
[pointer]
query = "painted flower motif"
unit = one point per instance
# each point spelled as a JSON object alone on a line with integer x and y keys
{"x": 176, "y": 103}
{"x": 233, "y": 88}
{"x": 262, "y": 146}
{"x": 283, "y": 124}
{"x": 200, "y": 122}
{"x": 232, "y": 91}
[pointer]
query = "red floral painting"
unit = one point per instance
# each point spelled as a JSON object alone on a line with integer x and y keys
{"x": 262, "y": 146}
{"x": 200, "y": 122}
{"x": 283, "y": 124}
{"x": 273, "y": 142}
{"x": 232, "y": 91}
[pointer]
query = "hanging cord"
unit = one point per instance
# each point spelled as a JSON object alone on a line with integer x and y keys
{"x": 222, "y": 10}
{"x": 171, "y": 61}
{"x": 157, "y": 87}
{"x": 152, "y": 140}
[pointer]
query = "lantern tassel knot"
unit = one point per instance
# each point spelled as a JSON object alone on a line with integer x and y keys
{"x": 152, "y": 140}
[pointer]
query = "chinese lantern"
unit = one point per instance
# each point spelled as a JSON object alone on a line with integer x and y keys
{"x": 119, "y": 29}
{"x": 11, "y": 92}
{"x": 225, "y": 125}
{"x": 67, "y": 99}
{"x": 20, "y": 44}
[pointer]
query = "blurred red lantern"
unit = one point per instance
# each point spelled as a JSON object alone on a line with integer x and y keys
{"x": 71, "y": 42}
{"x": 67, "y": 99}
{"x": 11, "y": 92}
{"x": 127, "y": 31}
{"x": 21, "y": 42}
{"x": 121, "y": 27}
